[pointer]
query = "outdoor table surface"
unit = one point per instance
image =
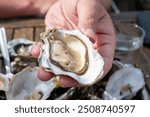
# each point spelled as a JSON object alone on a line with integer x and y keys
{"x": 31, "y": 28}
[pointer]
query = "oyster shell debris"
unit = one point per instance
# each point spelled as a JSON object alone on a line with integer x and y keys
{"x": 25, "y": 85}
{"x": 71, "y": 53}
{"x": 20, "y": 47}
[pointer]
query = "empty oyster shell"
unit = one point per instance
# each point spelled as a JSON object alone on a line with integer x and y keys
{"x": 124, "y": 84}
{"x": 20, "y": 47}
{"x": 71, "y": 53}
{"x": 25, "y": 85}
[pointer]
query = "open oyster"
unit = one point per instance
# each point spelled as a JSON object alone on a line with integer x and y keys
{"x": 26, "y": 86}
{"x": 71, "y": 53}
{"x": 20, "y": 50}
{"x": 20, "y": 47}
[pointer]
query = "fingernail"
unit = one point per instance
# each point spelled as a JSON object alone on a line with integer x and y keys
{"x": 91, "y": 34}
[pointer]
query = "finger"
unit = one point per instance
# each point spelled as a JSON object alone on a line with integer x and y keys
{"x": 62, "y": 15}
{"x": 106, "y": 41}
{"x": 66, "y": 81}
{"x": 89, "y": 12}
{"x": 107, "y": 52}
{"x": 55, "y": 17}
{"x": 105, "y": 45}
{"x": 106, "y": 32}
{"x": 35, "y": 51}
{"x": 44, "y": 75}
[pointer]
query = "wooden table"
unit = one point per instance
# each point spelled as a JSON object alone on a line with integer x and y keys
{"x": 31, "y": 28}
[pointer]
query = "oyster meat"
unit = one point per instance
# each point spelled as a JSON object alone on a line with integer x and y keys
{"x": 71, "y": 53}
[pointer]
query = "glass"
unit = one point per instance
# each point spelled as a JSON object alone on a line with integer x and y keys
{"x": 130, "y": 39}
{"x": 129, "y": 36}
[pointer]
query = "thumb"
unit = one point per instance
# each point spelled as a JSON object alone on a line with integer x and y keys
{"x": 88, "y": 15}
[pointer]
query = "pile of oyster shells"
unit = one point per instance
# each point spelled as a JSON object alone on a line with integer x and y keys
{"x": 63, "y": 52}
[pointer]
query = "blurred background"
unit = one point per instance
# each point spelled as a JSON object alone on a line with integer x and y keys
{"x": 133, "y": 5}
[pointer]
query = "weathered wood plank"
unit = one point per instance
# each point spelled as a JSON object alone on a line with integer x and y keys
{"x": 37, "y": 33}
{"x": 20, "y": 23}
{"x": 24, "y": 33}
{"x": 9, "y": 34}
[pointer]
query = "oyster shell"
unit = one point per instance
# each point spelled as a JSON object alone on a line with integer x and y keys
{"x": 71, "y": 53}
{"x": 4, "y": 82}
{"x": 20, "y": 50}
{"x": 124, "y": 84}
{"x": 19, "y": 63}
{"x": 25, "y": 85}
{"x": 20, "y": 47}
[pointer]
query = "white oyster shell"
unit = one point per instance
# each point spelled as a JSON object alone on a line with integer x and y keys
{"x": 71, "y": 53}
{"x": 4, "y": 82}
{"x": 23, "y": 44}
{"x": 25, "y": 85}
{"x": 124, "y": 84}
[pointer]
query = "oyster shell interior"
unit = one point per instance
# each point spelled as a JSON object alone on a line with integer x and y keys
{"x": 71, "y": 53}
{"x": 124, "y": 84}
{"x": 20, "y": 51}
{"x": 66, "y": 52}
{"x": 20, "y": 47}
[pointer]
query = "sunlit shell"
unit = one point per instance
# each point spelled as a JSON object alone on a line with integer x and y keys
{"x": 25, "y": 85}
{"x": 20, "y": 47}
{"x": 71, "y": 53}
{"x": 124, "y": 84}
{"x": 20, "y": 51}
{"x": 4, "y": 82}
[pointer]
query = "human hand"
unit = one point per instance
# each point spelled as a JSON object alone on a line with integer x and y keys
{"x": 90, "y": 18}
